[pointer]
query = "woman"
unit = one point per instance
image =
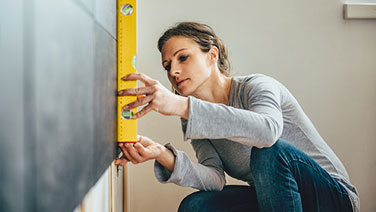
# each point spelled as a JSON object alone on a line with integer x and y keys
{"x": 250, "y": 127}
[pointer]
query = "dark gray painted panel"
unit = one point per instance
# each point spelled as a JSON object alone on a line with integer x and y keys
{"x": 104, "y": 100}
{"x": 58, "y": 103}
{"x": 64, "y": 85}
{"x": 11, "y": 106}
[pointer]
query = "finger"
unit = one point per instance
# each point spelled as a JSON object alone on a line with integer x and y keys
{"x": 117, "y": 162}
{"x": 121, "y": 161}
{"x": 138, "y": 102}
{"x": 122, "y": 147}
{"x": 140, "y": 96}
{"x": 145, "y": 141}
{"x": 141, "y": 149}
{"x": 127, "y": 154}
{"x": 134, "y": 154}
{"x": 121, "y": 155}
{"x": 137, "y": 91}
{"x": 140, "y": 76}
{"x": 143, "y": 112}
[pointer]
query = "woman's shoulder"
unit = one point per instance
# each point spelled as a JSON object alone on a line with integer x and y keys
{"x": 254, "y": 80}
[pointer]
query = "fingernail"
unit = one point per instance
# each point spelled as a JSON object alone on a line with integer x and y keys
{"x": 125, "y": 77}
{"x": 120, "y": 93}
{"x": 126, "y": 107}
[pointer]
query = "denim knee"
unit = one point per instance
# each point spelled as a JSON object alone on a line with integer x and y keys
{"x": 192, "y": 202}
{"x": 265, "y": 160}
{"x": 265, "y": 154}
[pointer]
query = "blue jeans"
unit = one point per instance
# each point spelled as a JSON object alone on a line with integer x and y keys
{"x": 285, "y": 179}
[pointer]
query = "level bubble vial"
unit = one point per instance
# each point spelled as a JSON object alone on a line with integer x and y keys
{"x": 126, "y": 114}
{"x": 134, "y": 61}
{"x": 127, "y": 9}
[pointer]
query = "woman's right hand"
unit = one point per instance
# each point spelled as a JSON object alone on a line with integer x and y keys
{"x": 155, "y": 96}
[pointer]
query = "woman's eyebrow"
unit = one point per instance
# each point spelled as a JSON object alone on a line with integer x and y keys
{"x": 174, "y": 54}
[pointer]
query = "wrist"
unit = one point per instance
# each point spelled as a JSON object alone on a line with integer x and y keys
{"x": 162, "y": 151}
{"x": 166, "y": 158}
{"x": 183, "y": 107}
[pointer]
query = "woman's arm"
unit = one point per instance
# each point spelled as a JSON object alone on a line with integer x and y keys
{"x": 207, "y": 174}
{"x": 258, "y": 123}
{"x": 174, "y": 166}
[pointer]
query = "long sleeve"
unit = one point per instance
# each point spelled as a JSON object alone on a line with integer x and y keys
{"x": 207, "y": 174}
{"x": 260, "y": 124}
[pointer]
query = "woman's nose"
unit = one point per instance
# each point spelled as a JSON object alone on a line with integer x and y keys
{"x": 175, "y": 71}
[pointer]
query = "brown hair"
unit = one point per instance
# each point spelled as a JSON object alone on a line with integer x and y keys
{"x": 204, "y": 36}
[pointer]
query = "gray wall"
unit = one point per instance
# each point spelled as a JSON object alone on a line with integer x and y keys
{"x": 58, "y": 101}
{"x": 327, "y": 62}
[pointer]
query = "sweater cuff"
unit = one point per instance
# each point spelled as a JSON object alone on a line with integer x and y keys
{"x": 162, "y": 174}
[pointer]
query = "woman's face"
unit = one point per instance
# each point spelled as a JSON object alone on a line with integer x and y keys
{"x": 188, "y": 68}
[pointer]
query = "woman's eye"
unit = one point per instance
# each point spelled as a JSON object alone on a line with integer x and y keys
{"x": 168, "y": 67}
{"x": 183, "y": 58}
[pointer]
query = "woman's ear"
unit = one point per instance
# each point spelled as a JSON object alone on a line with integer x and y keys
{"x": 213, "y": 54}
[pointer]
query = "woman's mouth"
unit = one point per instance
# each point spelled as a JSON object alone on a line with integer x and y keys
{"x": 180, "y": 82}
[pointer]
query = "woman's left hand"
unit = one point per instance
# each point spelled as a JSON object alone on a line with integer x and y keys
{"x": 155, "y": 96}
{"x": 145, "y": 149}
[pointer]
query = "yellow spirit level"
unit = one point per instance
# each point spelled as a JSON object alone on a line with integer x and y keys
{"x": 126, "y": 35}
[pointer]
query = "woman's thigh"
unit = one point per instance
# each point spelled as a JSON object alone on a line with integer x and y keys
{"x": 298, "y": 182}
{"x": 233, "y": 198}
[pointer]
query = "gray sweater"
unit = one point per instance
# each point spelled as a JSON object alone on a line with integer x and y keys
{"x": 261, "y": 110}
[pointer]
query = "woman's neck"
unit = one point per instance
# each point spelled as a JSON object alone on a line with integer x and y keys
{"x": 216, "y": 89}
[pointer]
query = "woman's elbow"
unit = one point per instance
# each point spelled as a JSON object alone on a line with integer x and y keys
{"x": 275, "y": 132}
{"x": 269, "y": 142}
{"x": 219, "y": 185}
{"x": 269, "y": 139}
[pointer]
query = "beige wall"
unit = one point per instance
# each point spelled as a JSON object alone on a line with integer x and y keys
{"x": 327, "y": 62}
